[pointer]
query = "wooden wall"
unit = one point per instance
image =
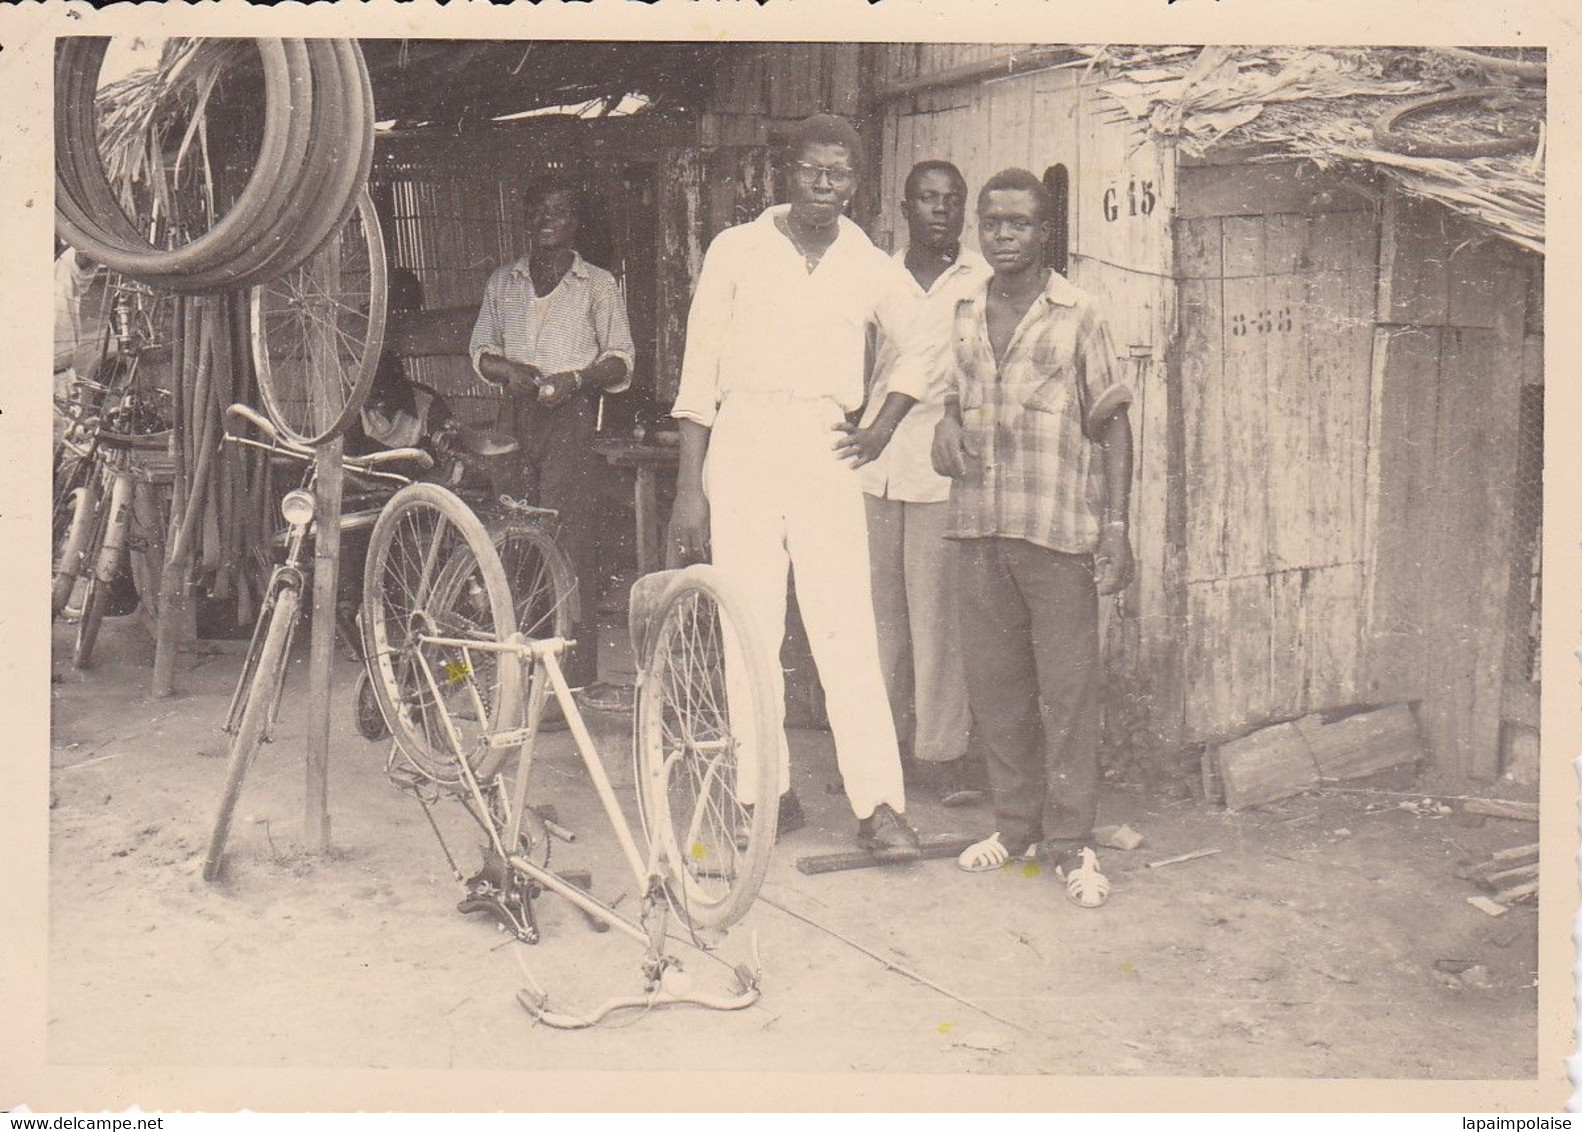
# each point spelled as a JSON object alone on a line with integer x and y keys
{"x": 1276, "y": 326}
{"x": 1307, "y": 368}
{"x": 1452, "y": 351}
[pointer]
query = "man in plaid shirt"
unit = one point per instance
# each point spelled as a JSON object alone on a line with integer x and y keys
{"x": 1038, "y": 445}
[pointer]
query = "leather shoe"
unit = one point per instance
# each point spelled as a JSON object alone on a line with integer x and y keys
{"x": 887, "y": 830}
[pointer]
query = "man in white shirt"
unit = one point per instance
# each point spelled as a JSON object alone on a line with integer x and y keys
{"x": 908, "y": 502}
{"x": 776, "y": 344}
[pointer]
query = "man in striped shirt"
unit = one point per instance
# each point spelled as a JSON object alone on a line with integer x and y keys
{"x": 1037, "y": 440}
{"x": 552, "y": 334}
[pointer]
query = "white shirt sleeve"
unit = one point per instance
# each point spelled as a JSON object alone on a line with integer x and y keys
{"x": 708, "y": 322}
{"x": 487, "y": 335}
{"x": 612, "y": 329}
{"x": 901, "y": 320}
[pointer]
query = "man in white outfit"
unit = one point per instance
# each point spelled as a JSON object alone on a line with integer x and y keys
{"x": 914, "y": 565}
{"x": 776, "y": 343}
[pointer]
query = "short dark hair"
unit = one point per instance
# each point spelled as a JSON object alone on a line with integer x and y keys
{"x": 547, "y": 185}
{"x": 822, "y": 129}
{"x": 1021, "y": 181}
{"x": 932, "y": 165}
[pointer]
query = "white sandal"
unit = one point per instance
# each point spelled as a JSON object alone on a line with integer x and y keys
{"x": 987, "y": 855}
{"x": 1086, "y": 887}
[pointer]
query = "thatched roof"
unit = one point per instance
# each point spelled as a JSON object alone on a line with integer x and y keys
{"x": 449, "y": 83}
{"x": 1324, "y": 104}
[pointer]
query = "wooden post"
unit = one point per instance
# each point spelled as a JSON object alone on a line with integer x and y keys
{"x": 326, "y": 571}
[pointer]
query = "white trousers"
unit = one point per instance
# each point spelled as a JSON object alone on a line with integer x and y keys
{"x": 779, "y": 499}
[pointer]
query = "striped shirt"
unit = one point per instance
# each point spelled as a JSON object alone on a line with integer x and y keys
{"x": 1038, "y": 475}
{"x": 581, "y": 322}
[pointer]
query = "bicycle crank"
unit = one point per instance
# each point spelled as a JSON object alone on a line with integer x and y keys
{"x": 497, "y": 890}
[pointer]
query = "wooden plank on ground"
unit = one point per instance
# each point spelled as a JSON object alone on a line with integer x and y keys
{"x": 1495, "y": 808}
{"x": 1357, "y": 746}
{"x": 1265, "y": 766}
{"x": 934, "y": 848}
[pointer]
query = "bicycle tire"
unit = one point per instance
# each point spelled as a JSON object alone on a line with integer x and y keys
{"x": 539, "y": 575}
{"x": 1387, "y": 136}
{"x": 69, "y": 554}
{"x": 90, "y": 213}
{"x": 293, "y": 305}
{"x": 459, "y": 589}
{"x": 94, "y": 601}
{"x": 271, "y": 668}
{"x": 661, "y": 723}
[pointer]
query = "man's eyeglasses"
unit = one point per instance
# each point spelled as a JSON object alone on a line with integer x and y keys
{"x": 837, "y": 174}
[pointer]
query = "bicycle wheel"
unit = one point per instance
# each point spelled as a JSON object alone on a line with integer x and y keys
{"x": 543, "y": 587}
{"x": 317, "y": 332}
{"x": 432, "y": 571}
{"x": 269, "y": 674}
{"x": 74, "y": 521}
{"x": 707, "y": 777}
{"x": 96, "y": 597}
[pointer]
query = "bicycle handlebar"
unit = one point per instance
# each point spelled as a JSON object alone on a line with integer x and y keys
{"x": 352, "y": 463}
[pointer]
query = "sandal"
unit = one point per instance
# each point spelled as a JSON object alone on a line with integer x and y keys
{"x": 989, "y": 854}
{"x": 1086, "y": 887}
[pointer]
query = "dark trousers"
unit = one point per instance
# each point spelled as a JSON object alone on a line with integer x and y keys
{"x": 557, "y": 467}
{"x": 1029, "y": 621}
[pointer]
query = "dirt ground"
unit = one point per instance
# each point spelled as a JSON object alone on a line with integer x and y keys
{"x": 1295, "y": 951}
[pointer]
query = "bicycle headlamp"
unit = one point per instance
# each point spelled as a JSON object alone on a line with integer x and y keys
{"x": 297, "y": 507}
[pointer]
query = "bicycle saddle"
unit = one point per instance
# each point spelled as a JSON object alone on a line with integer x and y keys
{"x": 486, "y": 442}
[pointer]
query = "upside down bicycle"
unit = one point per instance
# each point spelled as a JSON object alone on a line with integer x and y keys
{"x": 463, "y": 693}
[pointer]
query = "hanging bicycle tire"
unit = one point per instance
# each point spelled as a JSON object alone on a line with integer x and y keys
{"x": 317, "y": 331}
{"x": 317, "y": 109}
{"x": 1389, "y": 135}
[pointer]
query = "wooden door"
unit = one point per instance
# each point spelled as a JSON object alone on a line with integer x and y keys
{"x": 1276, "y": 316}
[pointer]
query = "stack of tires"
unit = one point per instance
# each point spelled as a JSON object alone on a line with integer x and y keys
{"x": 317, "y": 146}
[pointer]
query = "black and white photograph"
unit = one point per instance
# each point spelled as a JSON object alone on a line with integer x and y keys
{"x": 845, "y": 555}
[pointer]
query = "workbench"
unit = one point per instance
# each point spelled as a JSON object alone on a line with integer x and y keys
{"x": 645, "y": 459}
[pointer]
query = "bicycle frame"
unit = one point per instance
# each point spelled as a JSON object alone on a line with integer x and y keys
{"x": 288, "y": 574}
{"x": 650, "y": 929}
{"x": 543, "y": 658}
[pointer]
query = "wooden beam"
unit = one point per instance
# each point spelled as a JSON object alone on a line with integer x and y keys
{"x": 1001, "y": 66}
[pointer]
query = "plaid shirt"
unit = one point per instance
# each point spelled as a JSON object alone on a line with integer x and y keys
{"x": 1038, "y": 476}
{"x": 581, "y": 322}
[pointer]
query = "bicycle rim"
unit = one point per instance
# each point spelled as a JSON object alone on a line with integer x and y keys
{"x": 93, "y": 603}
{"x": 707, "y": 750}
{"x": 318, "y": 329}
{"x": 539, "y": 576}
{"x": 271, "y": 670}
{"x": 432, "y": 570}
